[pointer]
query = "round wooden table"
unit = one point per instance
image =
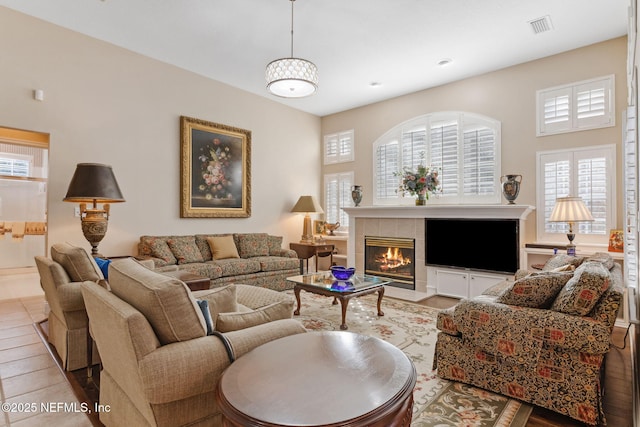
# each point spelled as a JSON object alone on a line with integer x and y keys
{"x": 319, "y": 379}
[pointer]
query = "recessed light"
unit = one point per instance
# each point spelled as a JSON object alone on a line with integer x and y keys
{"x": 445, "y": 61}
{"x": 375, "y": 84}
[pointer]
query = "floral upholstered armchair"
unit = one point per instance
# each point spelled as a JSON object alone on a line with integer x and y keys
{"x": 541, "y": 339}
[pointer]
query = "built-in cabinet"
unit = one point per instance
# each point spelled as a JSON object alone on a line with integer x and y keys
{"x": 462, "y": 283}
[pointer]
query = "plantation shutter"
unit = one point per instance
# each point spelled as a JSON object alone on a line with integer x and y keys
{"x": 444, "y": 156}
{"x": 14, "y": 167}
{"x": 592, "y": 187}
{"x": 338, "y": 147}
{"x": 479, "y": 162}
{"x": 557, "y": 177}
{"x": 414, "y": 145}
{"x": 337, "y": 195}
{"x": 387, "y": 161}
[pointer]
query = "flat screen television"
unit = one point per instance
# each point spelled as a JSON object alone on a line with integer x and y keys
{"x": 478, "y": 244}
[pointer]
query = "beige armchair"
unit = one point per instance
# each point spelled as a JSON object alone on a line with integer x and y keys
{"x": 160, "y": 368}
{"x": 60, "y": 278}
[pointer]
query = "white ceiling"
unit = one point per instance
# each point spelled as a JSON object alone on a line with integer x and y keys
{"x": 354, "y": 43}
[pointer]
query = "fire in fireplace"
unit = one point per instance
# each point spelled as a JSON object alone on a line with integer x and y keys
{"x": 391, "y": 257}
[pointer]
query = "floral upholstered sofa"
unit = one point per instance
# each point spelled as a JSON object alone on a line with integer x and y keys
{"x": 248, "y": 258}
{"x": 541, "y": 338}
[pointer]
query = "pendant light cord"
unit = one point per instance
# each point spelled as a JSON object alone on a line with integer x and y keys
{"x": 292, "y": 1}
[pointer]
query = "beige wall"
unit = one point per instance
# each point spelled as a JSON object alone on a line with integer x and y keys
{"x": 108, "y": 105}
{"x": 507, "y": 95}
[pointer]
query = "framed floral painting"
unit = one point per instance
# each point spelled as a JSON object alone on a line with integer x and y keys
{"x": 216, "y": 170}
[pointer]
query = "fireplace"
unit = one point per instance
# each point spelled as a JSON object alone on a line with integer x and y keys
{"x": 391, "y": 257}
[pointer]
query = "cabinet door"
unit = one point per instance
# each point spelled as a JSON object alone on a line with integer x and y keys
{"x": 452, "y": 283}
{"x": 478, "y": 283}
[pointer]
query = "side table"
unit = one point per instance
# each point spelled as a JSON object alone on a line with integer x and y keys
{"x": 308, "y": 250}
{"x": 194, "y": 281}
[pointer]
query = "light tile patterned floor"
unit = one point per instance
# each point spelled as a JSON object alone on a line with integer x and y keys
{"x": 31, "y": 386}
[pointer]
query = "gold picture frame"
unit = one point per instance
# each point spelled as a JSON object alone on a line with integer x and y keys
{"x": 215, "y": 170}
{"x": 318, "y": 226}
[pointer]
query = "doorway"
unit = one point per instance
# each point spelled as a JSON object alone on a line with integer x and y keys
{"x": 24, "y": 169}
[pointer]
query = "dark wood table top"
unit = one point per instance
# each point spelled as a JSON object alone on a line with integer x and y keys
{"x": 319, "y": 379}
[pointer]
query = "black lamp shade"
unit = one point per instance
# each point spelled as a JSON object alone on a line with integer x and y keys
{"x": 93, "y": 182}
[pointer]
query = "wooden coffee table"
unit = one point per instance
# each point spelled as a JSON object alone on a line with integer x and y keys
{"x": 325, "y": 284}
{"x": 319, "y": 379}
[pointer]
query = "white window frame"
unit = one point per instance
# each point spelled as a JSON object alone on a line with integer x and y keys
{"x": 343, "y": 199}
{"x": 573, "y": 155}
{"x": 339, "y": 147}
{"x": 466, "y": 122}
{"x": 574, "y": 110}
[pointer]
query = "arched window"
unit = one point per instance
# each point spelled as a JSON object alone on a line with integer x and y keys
{"x": 464, "y": 147}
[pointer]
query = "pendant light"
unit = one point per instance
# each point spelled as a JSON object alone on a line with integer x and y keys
{"x": 292, "y": 77}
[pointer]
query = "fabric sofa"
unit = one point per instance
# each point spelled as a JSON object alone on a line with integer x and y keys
{"x": 540, "y": 339}
{"x": 163, "y": 350}
{"x": 248, "y": 258}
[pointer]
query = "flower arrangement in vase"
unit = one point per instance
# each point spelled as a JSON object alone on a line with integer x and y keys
{"x": 421, "y": 183}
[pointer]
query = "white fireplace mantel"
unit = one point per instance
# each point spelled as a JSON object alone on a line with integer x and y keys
{"x": 402, "y": 221}
{"x": 441, "y": 211}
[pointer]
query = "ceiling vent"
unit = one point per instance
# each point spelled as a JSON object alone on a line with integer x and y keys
{"x": 541, "y": 25}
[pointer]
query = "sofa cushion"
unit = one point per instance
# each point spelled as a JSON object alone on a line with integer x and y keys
{"x": 219, "y": 300}
{"x": 252, "y": 244}
{"x": 560, "y": 260}
{"x": 223, "y": 247}
{"x": 237, "y": 266}
{"x": 276, "y": 263}
{"x": 582, "y": 292}
{"x": 79, "y": 265}
{"x": 160, "y": 249}
{"x": 227, "y": 322}
{"x": 166, "y": 302}
{"x": 185, "y": 249}
{"x": 275, "y": 245}
{"x": 537, "y": 290}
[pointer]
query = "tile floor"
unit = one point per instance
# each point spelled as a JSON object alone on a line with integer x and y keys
{"x": 33, "y": 390}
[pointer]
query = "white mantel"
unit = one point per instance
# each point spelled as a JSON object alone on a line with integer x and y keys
{"x": 441, "y": 211}
{"x": 408, "y": 221}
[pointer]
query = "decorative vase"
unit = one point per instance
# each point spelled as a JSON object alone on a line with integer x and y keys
{"x": 511, "y": 187}
{"x": 421, "y": 200}
{"x": 356, "y": 194}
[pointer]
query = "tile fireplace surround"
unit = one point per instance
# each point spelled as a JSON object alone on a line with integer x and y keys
{"x": 408, "y": 221}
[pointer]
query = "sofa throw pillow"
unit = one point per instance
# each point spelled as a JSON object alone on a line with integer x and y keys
{"x": 166, "y": 302}
{"x": 204, "y": 307}
{"x": 560, "y": 260}
{"x": 603, "y": 258}
{"x": 220, "y": 300}
{"x": 160, "y": 249}
{"x": 223, "y": 247}
{"x": 78, "y": 264}
{"x": 252, "y": 244}
{"x": 582, "y": 292}
{"x": 185, "y": 249}
{"x": 537, "y": 290}
{"x": 228, "y": 322}
{"x": 275, "y": 245}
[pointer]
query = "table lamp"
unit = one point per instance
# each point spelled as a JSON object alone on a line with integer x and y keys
{"x": 570, "y": 210}
{"x": 93, "y": 183}
{"x": 307, "y": 205}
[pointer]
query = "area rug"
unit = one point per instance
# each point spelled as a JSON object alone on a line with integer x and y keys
{"x": 412, "y": 328}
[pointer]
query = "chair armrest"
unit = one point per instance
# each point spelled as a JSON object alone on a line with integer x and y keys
{"x": 244, "y": 340}
{"x": 183, "y": 369}
{"x": 255, "y": 297}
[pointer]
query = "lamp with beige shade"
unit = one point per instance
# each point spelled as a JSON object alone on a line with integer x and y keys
{"x": 570, "y": 210}
{"x": 307, "y": 205}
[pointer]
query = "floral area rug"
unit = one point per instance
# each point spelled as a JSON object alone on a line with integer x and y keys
{"x": 412, "y": 328}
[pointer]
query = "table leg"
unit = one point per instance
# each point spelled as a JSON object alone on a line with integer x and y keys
{"x": 380, "y": 295}
{"x": 344, "y": 302}
{"x": 296, "y": 291}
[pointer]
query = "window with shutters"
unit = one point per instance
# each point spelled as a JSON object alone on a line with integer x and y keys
{"x": 588, "y": 104}
{"x": 338, "y": 147}
{"x": 12, "y": 166}
{"x": 337, "y": 195}
{"x": 463, "y": 147}
{"x": 585, "y": 172}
